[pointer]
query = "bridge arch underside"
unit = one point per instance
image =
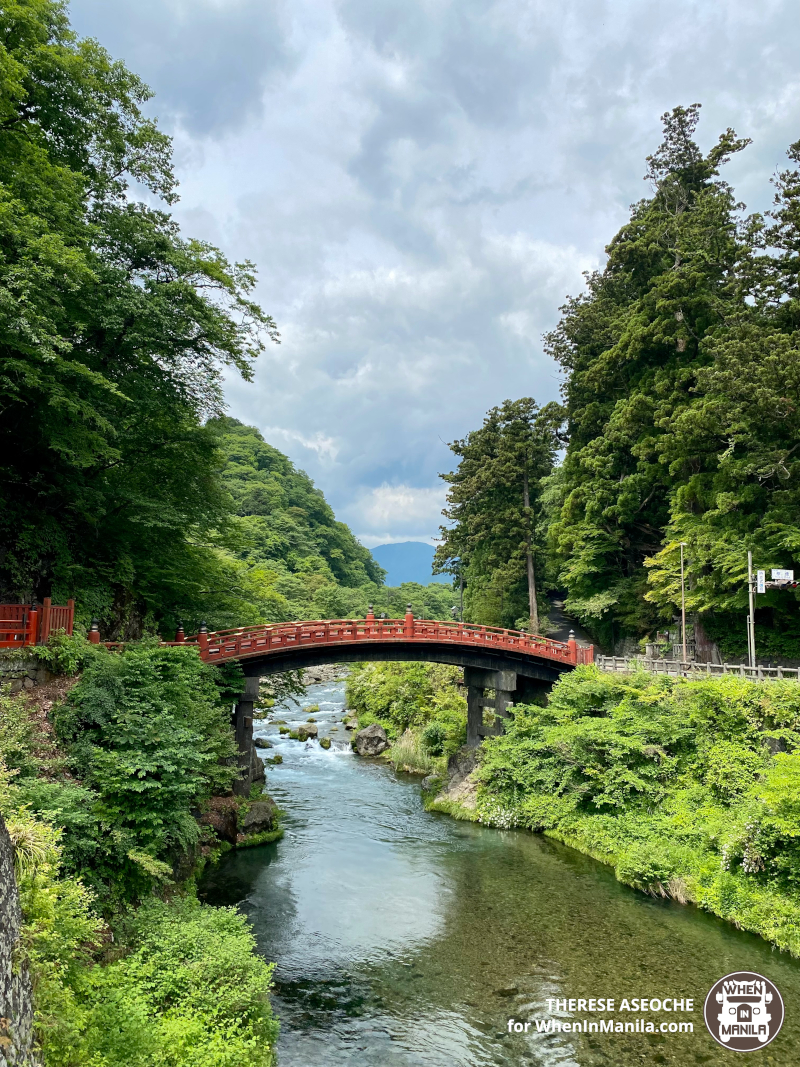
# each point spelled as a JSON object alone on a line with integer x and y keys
{"x": 400, "y": 652}
{"x": 533, "y": 676}
{"x": 507, "y": 677}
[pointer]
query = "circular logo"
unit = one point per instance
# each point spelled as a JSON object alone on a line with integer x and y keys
{"x": 743, "y": 1011}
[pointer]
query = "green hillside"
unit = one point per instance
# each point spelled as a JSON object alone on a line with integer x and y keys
{"x": 286, "y": 553}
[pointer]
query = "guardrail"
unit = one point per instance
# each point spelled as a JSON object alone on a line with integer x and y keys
{"x": 684, "y": 669}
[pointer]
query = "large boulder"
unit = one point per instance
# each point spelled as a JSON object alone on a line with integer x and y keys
{"x": 260, "y": 817}
{"x": 307, "y": 730}
{"x": 222, "y": 817}
{"x": 371, "y": 741}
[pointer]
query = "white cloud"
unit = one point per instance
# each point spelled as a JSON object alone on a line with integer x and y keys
{"x": 422, "y": 184}
{"x": 390, "y": 513}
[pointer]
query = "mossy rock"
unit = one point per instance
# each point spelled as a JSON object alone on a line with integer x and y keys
{"x": 311, "y": 720}
{"x": 285, "y": 730}
{"x": 312, "y": 707}
{"x": 261, "y": 742}
{"x": 279, "y": 722}
{"x": 293, "y": 735}
{"x": 277, "y": 758}
{"x": 324, "y": 742}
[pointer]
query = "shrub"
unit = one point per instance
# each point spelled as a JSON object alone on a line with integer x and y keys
{"x": 149, "y": 736}
{"x": 193, "y": 992}
{"x": 433, "y": 737}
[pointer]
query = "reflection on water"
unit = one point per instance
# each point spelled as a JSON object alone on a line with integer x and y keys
{"x": 406, "y": 939}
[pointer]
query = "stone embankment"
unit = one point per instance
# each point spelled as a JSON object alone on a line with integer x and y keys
{"x": 16, "y": 998}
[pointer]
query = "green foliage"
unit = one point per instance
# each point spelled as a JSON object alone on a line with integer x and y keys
{"x": 64, "y": 654}
{"x": 420, "y": 705}
{"x": 16, "y": 734}
{"x": 434, "y": 736}
{"x": 497, "y": 509}
{"x": 672, "y": 782}
{"x": 112, "y": 324}
{"x": 147, "y": 733}
{"x": 191, "y": 992}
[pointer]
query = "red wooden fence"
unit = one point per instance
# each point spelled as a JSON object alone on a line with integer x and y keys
{"x": 26, "y": 624}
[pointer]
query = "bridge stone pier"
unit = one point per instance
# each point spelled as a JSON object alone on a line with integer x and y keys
{"x": 507, "y": 688}
{"x": 249, "y": 769}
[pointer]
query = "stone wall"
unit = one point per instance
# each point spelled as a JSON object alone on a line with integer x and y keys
{"x": 22, "y": 670}
{"x": 16, "y": 1000}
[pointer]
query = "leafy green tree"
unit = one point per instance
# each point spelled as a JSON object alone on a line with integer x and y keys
{"x": 496, "y": 507}
{"x": 149, "y": 736}
{"x": 114, "y": 331}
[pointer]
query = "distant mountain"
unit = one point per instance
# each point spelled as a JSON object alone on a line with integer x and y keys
{"x": 408, "y": 561}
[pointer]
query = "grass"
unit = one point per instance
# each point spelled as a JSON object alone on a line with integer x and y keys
{"x": 409, "y": 754}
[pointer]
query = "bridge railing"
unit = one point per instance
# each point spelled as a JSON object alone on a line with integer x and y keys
{"x": 258, "y": 640}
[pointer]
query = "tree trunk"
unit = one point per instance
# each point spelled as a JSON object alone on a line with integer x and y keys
{"x": 532, "y": 605}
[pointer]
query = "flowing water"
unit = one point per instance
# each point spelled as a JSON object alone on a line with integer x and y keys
{"x": 407, "y": 939}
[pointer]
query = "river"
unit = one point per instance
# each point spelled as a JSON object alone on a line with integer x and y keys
{"x": 407, "y": 939}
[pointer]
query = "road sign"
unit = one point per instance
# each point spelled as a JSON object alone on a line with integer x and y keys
{"x": 761, "y": 581}
{"x": 782, "y": 576}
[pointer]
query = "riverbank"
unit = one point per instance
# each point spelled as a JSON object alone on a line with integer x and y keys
{"x": 105, "y": 776}
{"x": 402, "y": 938}
{"x": 688, "y": 790}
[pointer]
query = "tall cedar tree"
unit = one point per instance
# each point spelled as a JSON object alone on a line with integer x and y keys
{"x": 733, "y": 451}
{"x": 633, "y": 347}
{"x": 495, "y": 500}
{"x": 114, "y": 331}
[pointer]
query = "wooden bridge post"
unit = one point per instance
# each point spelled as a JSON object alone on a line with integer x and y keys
{"x": 243, "y": 729}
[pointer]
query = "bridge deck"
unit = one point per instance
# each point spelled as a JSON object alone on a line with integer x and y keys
{"x": 280, "y": 638}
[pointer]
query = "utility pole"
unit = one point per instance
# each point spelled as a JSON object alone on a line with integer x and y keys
{"x": 751, "y": 628}
{"x": 683, "y": 607}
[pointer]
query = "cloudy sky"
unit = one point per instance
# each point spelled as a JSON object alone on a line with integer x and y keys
{"x": 421, "y": 183}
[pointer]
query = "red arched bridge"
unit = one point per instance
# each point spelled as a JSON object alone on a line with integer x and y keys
{"x": 277, "y": 647}
{"x": 500, "y": 666}
{"x": 512, "y": 664}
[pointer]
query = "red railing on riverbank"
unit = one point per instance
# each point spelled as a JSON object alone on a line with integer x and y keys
{"x": 279, "y": 637}
{"x": 26, "y": 624}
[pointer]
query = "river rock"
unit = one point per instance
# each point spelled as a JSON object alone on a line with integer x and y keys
{"x": 371, "y": 741}
{"x": 222, "y": 818}
{"x": 431, "y": 783}
{"x": 257, "y": 772}
{"x": 307, "y": 730}
{"x": 260, "y": 817}
{"x": 324, "y": 742}
{"x": 261, "y": 742}
{"x": 461, "y": 787}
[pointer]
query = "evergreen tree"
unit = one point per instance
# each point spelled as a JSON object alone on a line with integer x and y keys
{"x": 496, "y": 509}
{"x": 633, "y": 347}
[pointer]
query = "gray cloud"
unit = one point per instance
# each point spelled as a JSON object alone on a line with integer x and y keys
{"x": 210, "y": 60}
{"x": 423, "y": 183}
